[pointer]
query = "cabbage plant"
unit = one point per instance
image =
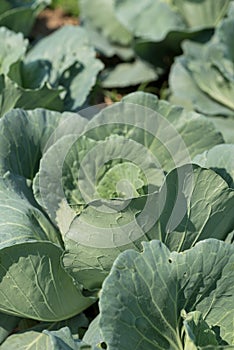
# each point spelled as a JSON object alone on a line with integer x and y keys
{"x": 57, "y": 73}
{"x": 168, "y": 300}
{"x": 146, "y": 34}
{"x": 202, "y": 78}
{"x": 76, "y": 190}
{"x": 160, "y": 26}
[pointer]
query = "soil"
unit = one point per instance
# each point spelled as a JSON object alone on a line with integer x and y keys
{"x": 49, "y": 20}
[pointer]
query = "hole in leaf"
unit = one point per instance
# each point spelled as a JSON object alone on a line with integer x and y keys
{"x": 103, "y": 345}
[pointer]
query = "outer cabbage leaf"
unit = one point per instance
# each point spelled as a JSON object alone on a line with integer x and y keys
{"x": 225, "y": 126}
{"x": 204, "y": 77}
{"x": 32, "y": 75}
{"x": 13, "y": 48}
{"x": 21, "y": 219}
{"x": 197, "y": 331}
{"x": 20, "y": 15}
{"x": 51, "y": 173}
{"x": 203, "y": 197}
{"x": 103, "y": 45}
{"x": 110, "y": 228}
{"x": 35, "y": 285}
{"x": 75, "y": 324}
{"x": 24, "y": 135}
{"x": 189, "y": 125}
{"x": 47, "y": 340}
{"x": 161, "y": 54}
{"x": 43, "y": 97}
{"x": 126, "y": 74}
{"x": 143, "y": 310}
{"x": 105, "y": 21}
{"x": 165, "y": 130}
{"x": 221, "y": 159}
{"x": 208, "y": 13}
{"x": 30, "y": 271}
{"x": 74, "y": 69}
{"x": 35, "y": 91}
{"x": 93, "y": 334}
{"x": 9, "y": 94}
{"x": 14, "y": 96}
{"x": 140, "y": 18}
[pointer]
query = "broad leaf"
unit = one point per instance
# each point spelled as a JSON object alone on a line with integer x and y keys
{"x": 28, "y": 341}
{"x": 189, "y": 217}
{"x": 32, "y": 82}
{"x": 21, "y": 220}
{"x": 161, "y": 54}
{"x": 75, "y": 324}
{"x": 110, "y": 227}
{"x": 221, "y": 159}
{"x": 225, "y": 126}
{"x": 104, "y": 46}
{"x": 50, "y": 76}
{"x": 105, "y": 21}
{"x": 13, "y": 48}
{"x": 93, "y": 334}
{"x": 74, "y": 69}
{"x": 20, "y": 15}
{"x": 189, "y": 125}
{"x": 44, "y": 291}
{"x": 163, "y": 130}
{"x": 47, "y": 340}
{"x": 24, "y": 134}
{"x": 197, "y": 331}
{"x": 44, "y": 97}
{"x": 51, "y": 171}
{"x": 32, "y": 75}
{"x": 207, "y": 13}
{"x": 126, "y": 74}
{"x": 9, "y": 94}
{"x": 186, "y": 92}
{"x": 34, "y": 293}
{"x": 152, "y": 288}
{"x": 140, "y": 18}
{"x": 14, "y": 96}
{"x": 203, "y": 76}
